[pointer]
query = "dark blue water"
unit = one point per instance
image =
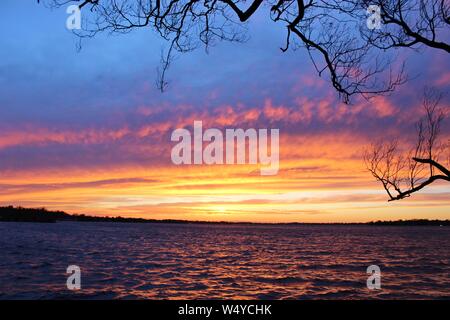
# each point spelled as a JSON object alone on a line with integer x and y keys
{"x": 169, "y": 261}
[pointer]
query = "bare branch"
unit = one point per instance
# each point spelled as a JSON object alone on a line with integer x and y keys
{"x": 355, "y": 59}
{"x": 401, "y": 178}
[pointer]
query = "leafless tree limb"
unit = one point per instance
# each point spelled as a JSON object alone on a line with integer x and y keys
{"x": 402, "y": 175}
{"x": 354, "y": 58}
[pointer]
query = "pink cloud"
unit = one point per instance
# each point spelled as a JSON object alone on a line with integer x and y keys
{"x": 443, "y": 80}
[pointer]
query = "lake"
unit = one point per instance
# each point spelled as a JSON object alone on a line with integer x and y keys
{"x": 198, "y": 261}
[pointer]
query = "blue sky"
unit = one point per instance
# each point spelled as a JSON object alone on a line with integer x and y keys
{"x": 95, "y": 115}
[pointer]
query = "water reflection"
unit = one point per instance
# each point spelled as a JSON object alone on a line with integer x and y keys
{"x": 187, "y": 261}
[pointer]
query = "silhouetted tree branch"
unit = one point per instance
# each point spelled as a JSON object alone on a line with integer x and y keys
{"x": 402, "y": 174}
{"x": 356, "y": 60}
{"x": 412, "y": 22}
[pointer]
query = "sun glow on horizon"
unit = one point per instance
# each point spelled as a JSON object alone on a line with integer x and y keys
{"x": 329, "y": 192}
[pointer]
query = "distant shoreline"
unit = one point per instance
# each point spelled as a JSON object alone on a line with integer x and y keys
{"x": 42, "y": 215}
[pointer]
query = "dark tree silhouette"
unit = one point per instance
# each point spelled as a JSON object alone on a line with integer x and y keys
{"x": 355, "y": 58}
{"x": 403, "y": 173}
{"x": 408, "y": 23}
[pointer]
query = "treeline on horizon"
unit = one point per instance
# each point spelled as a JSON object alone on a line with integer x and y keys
{"x": 20, "y": 214}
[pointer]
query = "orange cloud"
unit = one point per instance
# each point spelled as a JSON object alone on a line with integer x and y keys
{"x": 321, "y": 176}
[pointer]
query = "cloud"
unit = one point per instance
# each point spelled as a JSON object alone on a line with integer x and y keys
{"x": 90, "y": 133}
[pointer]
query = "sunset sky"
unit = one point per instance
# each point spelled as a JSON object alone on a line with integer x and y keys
{"x": 88, "y": 132}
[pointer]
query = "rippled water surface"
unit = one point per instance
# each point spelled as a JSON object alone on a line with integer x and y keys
{"x": 169, "y": 261}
